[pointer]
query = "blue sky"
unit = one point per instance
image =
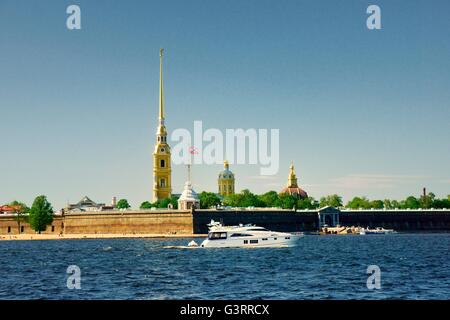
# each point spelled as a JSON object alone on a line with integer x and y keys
{"x": 360, "y": 112}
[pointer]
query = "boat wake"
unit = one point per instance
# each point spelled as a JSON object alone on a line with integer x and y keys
{"x": 180, "y": 247}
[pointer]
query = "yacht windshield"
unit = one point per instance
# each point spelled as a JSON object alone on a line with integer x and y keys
{"x": 257, "y": 229}
{"x": 217, "y": 235}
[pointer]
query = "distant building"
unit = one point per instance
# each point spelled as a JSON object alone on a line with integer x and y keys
{"x": 9, "y": 209}
{"x": 292, "y": 187}
{"x": 226, "y": 180}
{"x": 189, "y": 198}
{"x": 87, "y": 204}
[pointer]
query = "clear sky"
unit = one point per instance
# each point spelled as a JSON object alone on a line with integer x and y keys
{"x": 360, "y": 112}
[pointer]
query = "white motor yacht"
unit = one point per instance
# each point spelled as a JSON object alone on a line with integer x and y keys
{"x": 243, "y": 236}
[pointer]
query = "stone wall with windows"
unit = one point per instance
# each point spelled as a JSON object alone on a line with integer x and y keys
{"x": 9, "y": 226}
{"x": 130, "y": 221}
{"x": 113, "y": 222}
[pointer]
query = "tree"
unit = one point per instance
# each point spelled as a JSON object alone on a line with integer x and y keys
{"x": 387, "y": 204}
{"x": 270, "y": 199}
{"x": 357, "y": 203}
{"x": 426, "y": 201}
{"x": 208, "y": 200}
{"x": 41, "y": 214}
{"x": 307, "y": 203}
{"x": 164, "y": 203}
{"x": 123, "y": 204}
{"x": 288, "y": 201}
{"x": 332, "y": 200}
{"x": 249, "y": 199}
{"x": 410, "y": 203}
{"x": 172, "y": 200}
{"x": 146, "y": 205}
{"x": 233, "y": 200}
{"x": 20, "y": 209}
{"x": 376, "y": 204}
{"x": 395, "y": 204}
{"x": 243, "y": 199}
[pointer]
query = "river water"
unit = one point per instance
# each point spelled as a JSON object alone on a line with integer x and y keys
{"x": 413, "y": 266}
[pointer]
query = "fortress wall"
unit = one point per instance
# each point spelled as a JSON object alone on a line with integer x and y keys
{"x": 432, "y": 220}
{"x": 276, "y": 220}
{"x": 307, "y": 220}
{"x": 9, "y": 226}
{"x": 185, "y": 222}
{"x": 129, "y": 222}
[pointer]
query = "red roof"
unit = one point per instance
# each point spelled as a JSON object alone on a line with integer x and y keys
{"x": 295, "y": 191}
{"x": 7, "y": 208}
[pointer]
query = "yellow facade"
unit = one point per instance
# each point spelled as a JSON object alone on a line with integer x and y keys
{"x": 226, "y": 181}
{"x": 162, "y": 172}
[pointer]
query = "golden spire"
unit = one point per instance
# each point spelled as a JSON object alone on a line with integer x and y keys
{"x": 292, "y": 180}
{"x": 225, "y": 164}
{"x": 161, "y": 89}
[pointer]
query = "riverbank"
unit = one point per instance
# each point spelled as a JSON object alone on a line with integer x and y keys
{"x": 93, "y": 236}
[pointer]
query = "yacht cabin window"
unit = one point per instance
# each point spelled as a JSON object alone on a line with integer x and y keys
{"x": 217, "y": 235}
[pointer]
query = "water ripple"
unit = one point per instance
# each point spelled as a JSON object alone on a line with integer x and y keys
{"x": 413, "y": 266}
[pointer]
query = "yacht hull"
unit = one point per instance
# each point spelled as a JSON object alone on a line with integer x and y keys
{"x": 253, "y": 242}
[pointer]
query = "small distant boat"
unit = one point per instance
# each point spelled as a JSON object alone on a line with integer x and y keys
{"x": 249, "y": 235}
{"x": 192, "y": 244}
{"x": 378, "y": 230}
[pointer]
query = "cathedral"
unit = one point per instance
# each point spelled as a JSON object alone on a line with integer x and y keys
{"x": 292, "y": 187}
{"x": 226, "y": 180}
{"x": 162, "y": 172}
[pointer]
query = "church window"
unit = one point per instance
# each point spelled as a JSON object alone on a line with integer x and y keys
{"x": 162, "y": 163}
{"x": 163, "y": 183}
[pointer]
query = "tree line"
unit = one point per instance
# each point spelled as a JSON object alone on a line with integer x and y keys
{"x": 273, "y": 199}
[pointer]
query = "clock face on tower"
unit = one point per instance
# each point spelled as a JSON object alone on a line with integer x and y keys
{"x": 162, "y": 150}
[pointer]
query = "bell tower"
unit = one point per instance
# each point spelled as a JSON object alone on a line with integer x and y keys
{"x": 162, "y": 172}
